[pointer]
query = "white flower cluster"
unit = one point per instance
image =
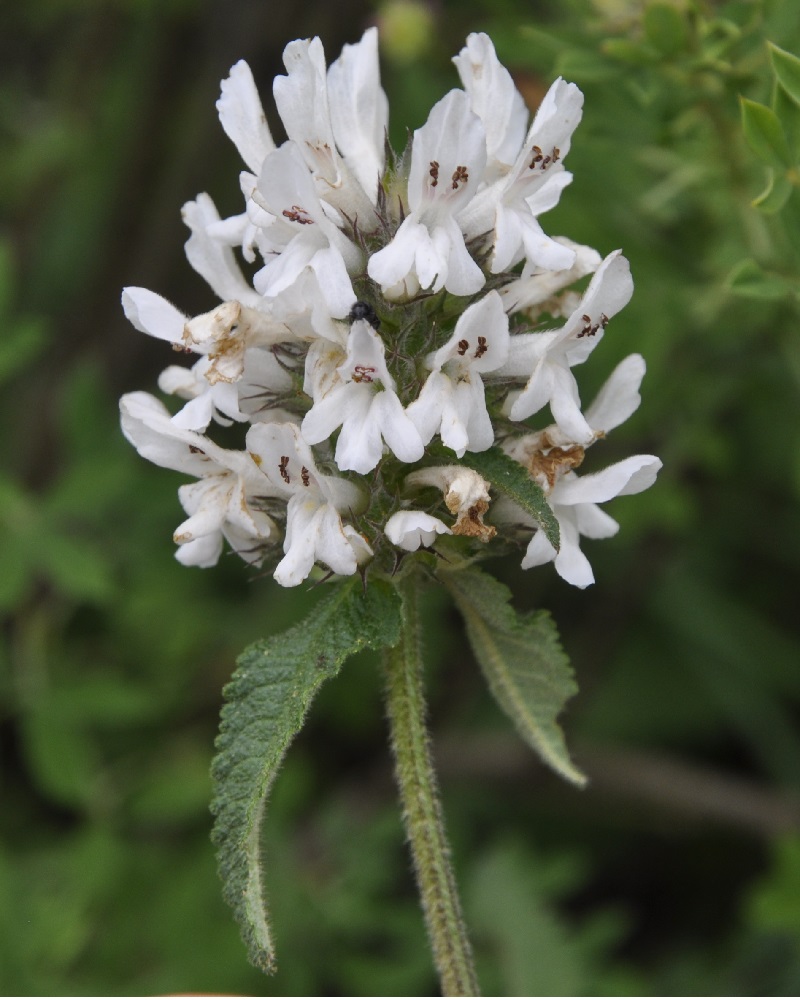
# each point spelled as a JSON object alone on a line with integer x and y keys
{"x": 377, "y": 321}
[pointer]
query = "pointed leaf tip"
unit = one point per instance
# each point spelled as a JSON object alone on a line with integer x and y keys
{"x": 523, "y": 661}
{"x": 266, "y": 703}
{"x": 764, "y": 134}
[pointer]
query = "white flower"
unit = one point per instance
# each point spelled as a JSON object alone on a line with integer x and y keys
{"x": 495, "y": 100}
{"x": 360, "y": 112}
{"x": 358, "y": 396}
{"x": 545, "y": 453}
{"x": 512, "y": 204}
{"x": 452, "y": 400}
{"x": 349, "y": 258}
{"x": 212, "y": 260}
{"x": 314, "y": 529}
{"x": 537, "y": 287}
{"x": 345, "y": 112}
{"x": 466, "y": 496}
{"x": 574, "y": 501}
{"x": 307, "y": 237}
{"x": 264, "y": 380}
{"x": 207, "y": 401}
{"x": 221, "y": 503}
{"x": 548, "y": 357}
{"x": 411, "y": 529}
{"x": 428, "y": 250}
{"x": 224, "y": 337}
{"x": 242, "y": 116}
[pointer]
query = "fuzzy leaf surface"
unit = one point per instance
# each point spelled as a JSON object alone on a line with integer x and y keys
{"x": 523, "y": 661}
{"x": 509, "y": 477}
{"x": 266, "y": 703}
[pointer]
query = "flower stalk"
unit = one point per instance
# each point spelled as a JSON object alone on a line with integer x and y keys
{"x": 421, "y": 806}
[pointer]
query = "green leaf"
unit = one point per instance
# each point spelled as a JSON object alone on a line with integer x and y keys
{"x": 749, "y": 280}
{"x": 522, "y": 659}
{"x": 775, "y": 194}
{"x": 633, "y": 53}
{"x": 665, "y": 28}
{"x": 509, "y": 477}
{"x": 764, "y": 134}
{"x": 788, "y": 112}
{"x": 787, "y": 70}
{"x": 585, "y": 66}
{"x": 23, "y": 340}
{"x": 60, "y": 753}
{"x": 268, "y": 698}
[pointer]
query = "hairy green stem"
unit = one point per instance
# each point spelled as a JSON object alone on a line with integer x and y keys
{"x": 422, "y": 811}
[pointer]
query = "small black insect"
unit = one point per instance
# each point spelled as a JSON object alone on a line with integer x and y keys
{"x": 363, "y": 310}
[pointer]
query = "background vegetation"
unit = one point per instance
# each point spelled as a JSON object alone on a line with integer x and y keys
{"x": 678, "y": 870}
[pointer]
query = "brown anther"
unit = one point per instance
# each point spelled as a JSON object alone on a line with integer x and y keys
{"x": 304, "y": 475}
{"x": 589, "y": 329}
{"x": 283, "y": 470}
{"x": 297, "y": 214}
{"x": 463, "y": 347}
{"x": 434, "y": 172}
{"x": 603, "y": 320}
{"x": 195, "y": 450}
{"x": 556, "y": 154}
{"x": 362, "y": 373}
{"x": 459, "y": 174}
{"x": 536, "y": 158}
{"x": 482, "y": 348}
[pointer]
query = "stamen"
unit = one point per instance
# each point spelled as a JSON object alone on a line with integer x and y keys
{"x": 482, "y": 348}
{"x": 297, "y": 214}
{"x": 283, "y": 470}
{"x": 589, "y": 328}
{"x": 434, "y": 172}
{"x": 362, "y": 373}
{"x": 463, "y": 347}
{"x": 460, "y": 174}
{"x": 537, "y": 157}
{"x": 304, "y": 475}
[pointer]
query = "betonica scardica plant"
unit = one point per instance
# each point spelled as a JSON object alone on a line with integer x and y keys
{"x": 408, "y": 325}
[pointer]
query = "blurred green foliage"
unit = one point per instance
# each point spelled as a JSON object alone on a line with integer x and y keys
{"x": 676, "y": 872}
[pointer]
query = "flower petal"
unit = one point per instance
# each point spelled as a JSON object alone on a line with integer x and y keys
{"x": 242, "y": 116}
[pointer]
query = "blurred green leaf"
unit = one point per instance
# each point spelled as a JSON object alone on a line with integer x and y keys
{"x": 665, "y": 28}
{"x": 632, "y": 53}
{"x": 765, "y": 135}
{"x": 787, "y": 70}
{"x": 60, "y": 753}
{"x": 585, "y": 66}
{"x": 748, "y": 279}
{"x": 775, "y": 195}
{"x": 774, "y": 902}
{"x": 788, "y": 113}
{"x": 180, "y": 790}
{"x": 23, "y": 341}
{"x": 77, "y": 568}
